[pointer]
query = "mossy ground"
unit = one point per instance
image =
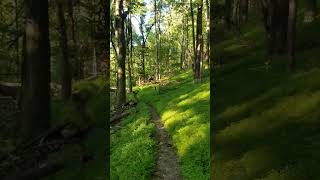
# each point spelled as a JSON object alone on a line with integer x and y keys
{"x": 267, "y": 119}
{"x": 95, "y": 143}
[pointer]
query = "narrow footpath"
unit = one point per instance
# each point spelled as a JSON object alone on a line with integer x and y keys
{"x": 167, "y": 167}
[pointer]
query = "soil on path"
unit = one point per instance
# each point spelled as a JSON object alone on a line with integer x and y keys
{"x": 167, "y": 167}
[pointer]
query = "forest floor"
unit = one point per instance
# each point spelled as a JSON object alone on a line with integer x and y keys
{"x": 167, "y": 166}
{"x": 181, "y": 108}
{"x": 267, "y": 119}
{"x": 84, "y": 161}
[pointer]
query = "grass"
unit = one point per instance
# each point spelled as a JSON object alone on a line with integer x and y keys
{"x": 184, "y": 109}
{"x": 267, "y": 121}
{"x": 133, "y": 148}
{"x": 95, "y": 143}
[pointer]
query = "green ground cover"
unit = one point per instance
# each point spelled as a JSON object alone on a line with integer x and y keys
{"x": 267, "y": 120}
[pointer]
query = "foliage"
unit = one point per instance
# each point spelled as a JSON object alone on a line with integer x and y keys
{"x": 133, "y": 149}
{"x": 184, "y": 105}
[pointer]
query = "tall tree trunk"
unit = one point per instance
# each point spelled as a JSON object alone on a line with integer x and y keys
{"x": 121, "y": 49}
{"x": 199, "y": 42}
{"x": 143, "y": 61}
{"x": 182, "y": 56}
{"x": 193, "y": 37}
{"x": 311, "y": 11}
{"x": 17, "y": 60}
{"x": 275, "y": 15}
{"x": 244, "y": 7}
{"x": 228, "y": 13}
{"x": 106, "y": 58}
{"x": 65, "y": 65}
{"x": 212, "y": 107}
{"x": 208, "y": 32}
{"x": 36, "y": 88}
{"x": 76, "y": 65}
{"x": 291, "y": 34}
{"x": 130, "y": 55}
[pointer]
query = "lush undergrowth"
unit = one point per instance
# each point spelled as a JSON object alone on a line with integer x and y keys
{"x": 133, "y": 148}
{"x": 95, "y": 110}
{"x": 184, "y": 108}
{"x": 267, "y": 120}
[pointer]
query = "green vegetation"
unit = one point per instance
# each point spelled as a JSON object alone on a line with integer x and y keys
{"x": 267, "y": 120}
{"x": 94, "y": 144}
{"x": 184, "y": 106}
{"x": 133, "y": 150}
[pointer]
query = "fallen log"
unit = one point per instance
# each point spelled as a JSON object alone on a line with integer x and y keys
{"x": 10, "y": 89}
{"x": 117, "y": 117}
{"x": 38, "y": 172}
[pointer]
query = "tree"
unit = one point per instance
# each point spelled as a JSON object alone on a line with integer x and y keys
{"x": 275, "y": 17}
{"x": 131, "y": 48}
{"x": 64, "y": 64}
{"x": 291, "y": 33}
{"x": 120, "y": 16}
{"x": 199, "y": 42}
{"x": 36, "y": 70}
{"x": 244, "y": 7}
{"x": 193, "y": 37}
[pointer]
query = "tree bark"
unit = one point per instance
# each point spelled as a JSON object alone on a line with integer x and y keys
{"x": 76, "y": 72}
{"x": 106, "y": 58}
{"x": 291, "y": 34}
{"x": 120, "y": 16}
{"x": 212, "y": 123}
{"x": 130, "y": 55}
{"x": 244, "y": 7}
{"x": 64, "y": 64}
{"x": 275, "y": 15}
{"x": 36, "y": 88}
{"x": 198, "y": 55}
{"x": 193, "y": 38}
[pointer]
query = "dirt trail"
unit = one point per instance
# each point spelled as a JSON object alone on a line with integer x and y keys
{"x": 167, "y": 167}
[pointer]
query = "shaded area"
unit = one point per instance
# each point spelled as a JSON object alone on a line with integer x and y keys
{"x": 267, "y": 120}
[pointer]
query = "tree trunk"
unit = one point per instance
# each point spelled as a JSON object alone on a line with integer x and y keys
{"x": 36, "y": 88}
{"x": 228, "y": 13}
{"x": 244, "y": 10}
{"x": 130, "y": 55}
{"x": 65, "y": 65}
{"x": 17, "y": 60}
{"x": 212, "y": 123}
{"x": 208, "y": 33}
{"x": 121, "y": 49}
{"x": 199, "y": 42}
{"x": 275, "y": 15}
{"x": 76, "y": 70}
{"x": 193, "y": 38}
{"x": 106, "y": 58}
{"x": 311, "y": 10}
{"x": 291, "y": 34}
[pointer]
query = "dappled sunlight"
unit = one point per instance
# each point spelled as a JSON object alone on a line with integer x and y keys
{"x": 189, "y": 135}
{"x": 203, "y": 95}
{"x": 184, "y": 108}
{"x": 132, "y": 147}
{"x": 287, "y": 110}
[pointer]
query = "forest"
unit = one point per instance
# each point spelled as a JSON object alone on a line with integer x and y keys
{"x": 160, "y": 88}
{"x": 54, "y": 88}
{"x": 266, "y": 90}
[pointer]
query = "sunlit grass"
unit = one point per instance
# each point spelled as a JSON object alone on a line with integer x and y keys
{"x": 133, "y": 150}
{"x": 184, "y": 108}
